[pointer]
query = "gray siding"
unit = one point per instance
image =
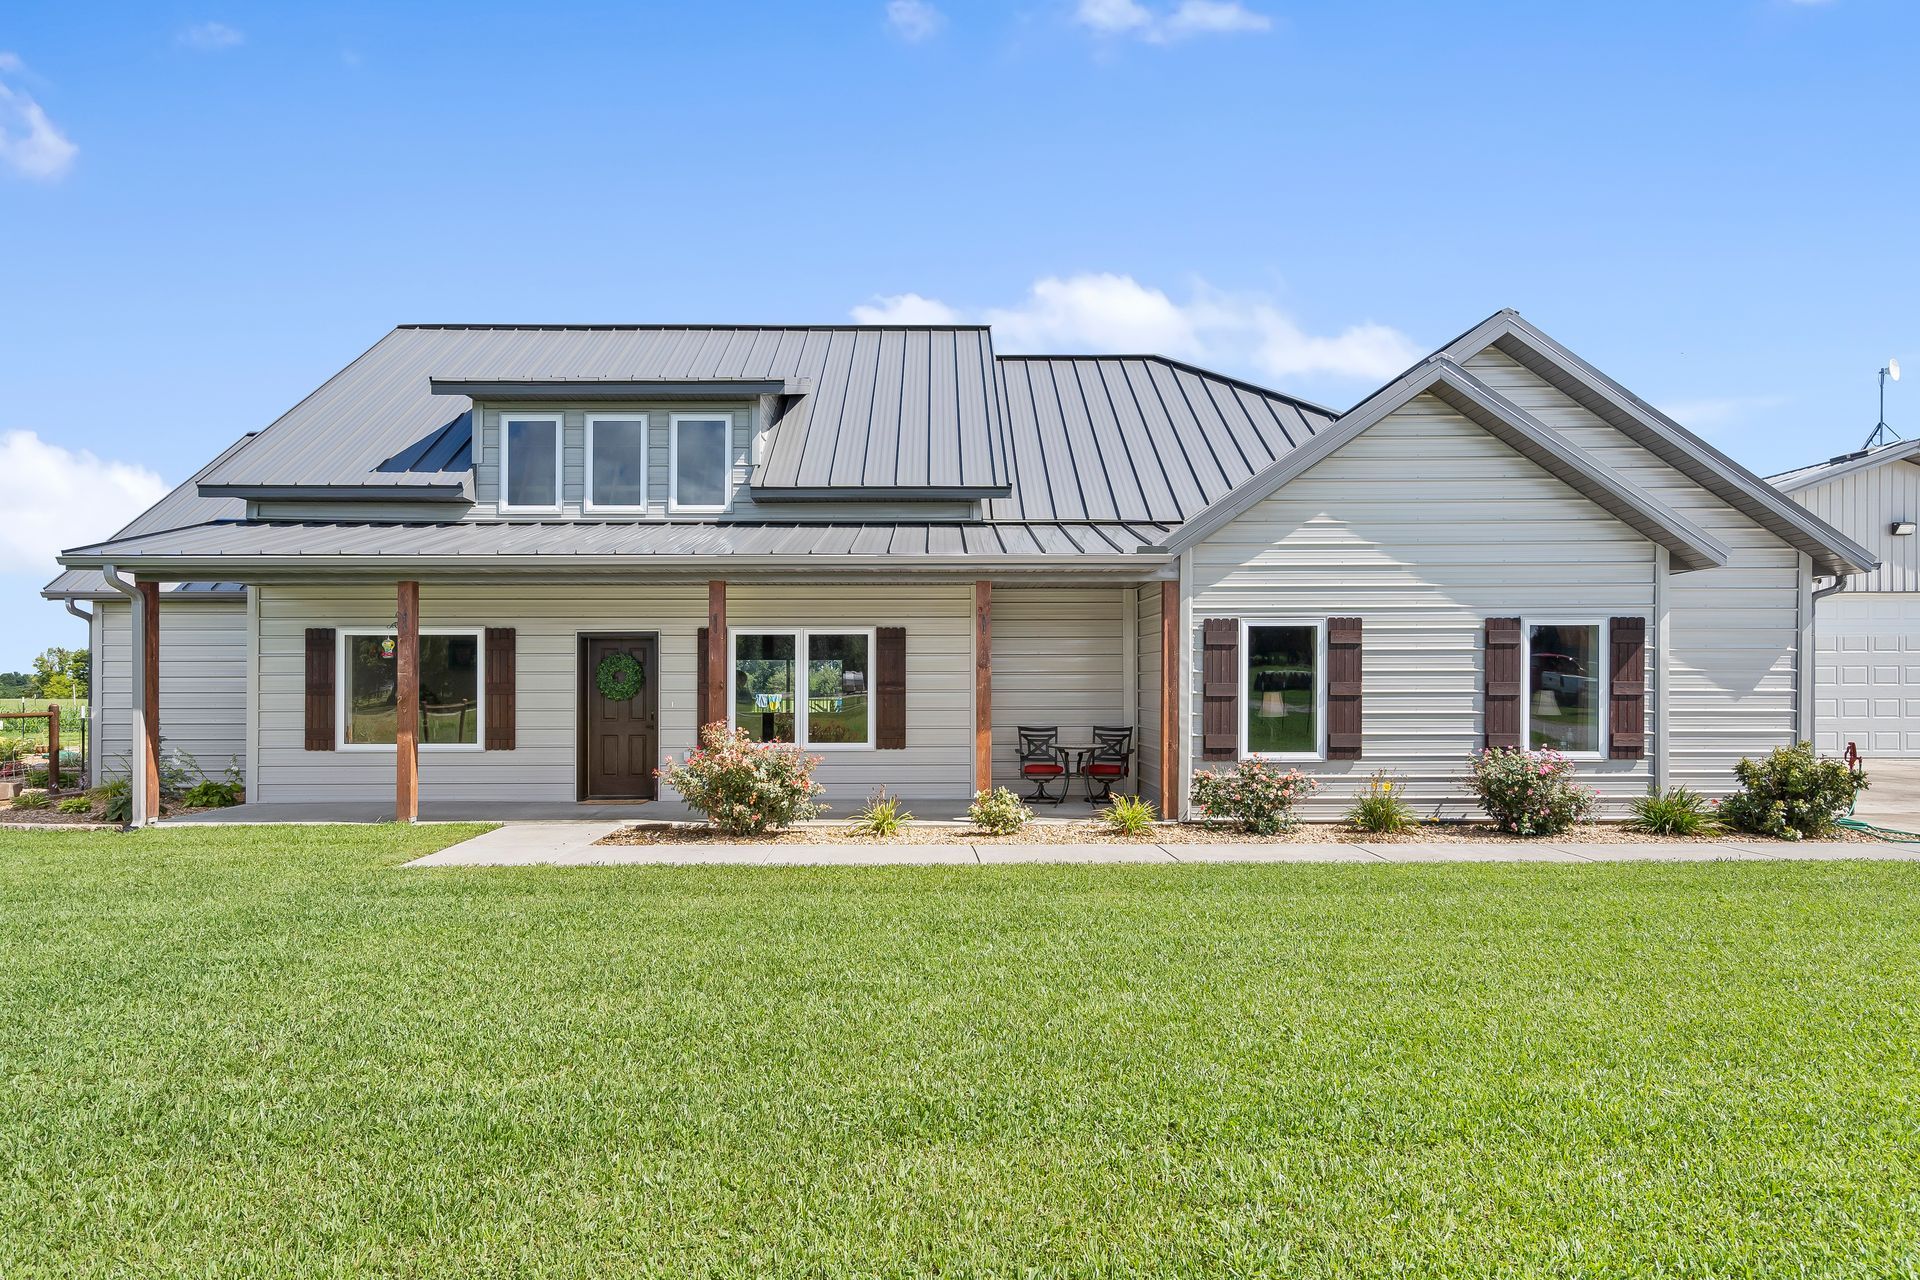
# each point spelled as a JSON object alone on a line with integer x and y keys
{"x": 548, "y": 619}
{"x": 1059, "y": 658}
{"x": 1147, "y": 627}
{"x": 573, "y": 463}
{"x": 1863, "y": 505}
{"x": 1424, "y": 526}
{"x": 203, "y": 684}
{"x": 1735, "y": 662}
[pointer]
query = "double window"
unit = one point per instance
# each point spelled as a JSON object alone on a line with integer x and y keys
{"x": 808, "y": 687}
{"x": 699, "y": 462}
{"x": 1566, "y": 693}
{"x": 1282, "y": 692}
{"x": 616, "y": 462}
{"x": 530, "y": 463}
{"x": 451, "y": 681}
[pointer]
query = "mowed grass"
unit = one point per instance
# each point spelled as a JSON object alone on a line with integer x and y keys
{"x": 269, "y": 1051}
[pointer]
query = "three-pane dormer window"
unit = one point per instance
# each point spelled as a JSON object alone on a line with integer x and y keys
{"x": 530, "y": 462}
{"x": 616, "y": 462}
{"x": 699, "y": 461}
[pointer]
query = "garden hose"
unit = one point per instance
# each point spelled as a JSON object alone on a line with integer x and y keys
{"x": 1892, "y": 835}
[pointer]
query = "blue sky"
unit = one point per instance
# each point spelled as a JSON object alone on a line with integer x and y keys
{"x": 206, "y": 209}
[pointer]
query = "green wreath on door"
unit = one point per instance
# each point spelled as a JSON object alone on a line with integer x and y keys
{"x": 619, "y": 677}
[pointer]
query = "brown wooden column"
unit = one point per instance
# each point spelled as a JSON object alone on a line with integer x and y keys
{"x": 1170, "y": 686}
{"x": 718, "y": 657}
{"x": 149, "y": 744}
{"x": 983, "y": 686}
{"x": 406, "y": 703}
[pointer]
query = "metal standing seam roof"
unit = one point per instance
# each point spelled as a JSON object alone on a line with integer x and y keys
{"x": 1137, "y": 438}
{"x": 1833, "y": 468}
{"x": 900, "y": 407}
{"x": 183, "y": 507}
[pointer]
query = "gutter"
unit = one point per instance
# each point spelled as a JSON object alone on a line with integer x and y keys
{"x": 225, "y": 567}
{"x": 76, "y": 610}
{"x": 1821, "y": 593}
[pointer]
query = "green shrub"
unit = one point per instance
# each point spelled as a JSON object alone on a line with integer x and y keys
{"x": 1674, "y": 812}
{"x": 114, "y": 799}
{"x": 742, "y": 786}
{"x": 998, "y": 812}
{"x": 882, "y": 816}
{"x": 1529, "y": 793}
{"x": 1382, "y": 808}
{"x": 1256, "y": 794}
{"x": 1791, "y": 793}
{"x": 76, "y": 804}
{"x": 32, "y": 798}
{"x": 209, "y": 794}
{"x": 36, "y": 777}
{"x": 1129, "y": 815}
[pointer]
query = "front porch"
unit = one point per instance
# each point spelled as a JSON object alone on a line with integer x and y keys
{"x": 670, "y": 809}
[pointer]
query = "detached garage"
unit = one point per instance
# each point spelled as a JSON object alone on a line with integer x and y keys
{"x": 1867, "y": 627}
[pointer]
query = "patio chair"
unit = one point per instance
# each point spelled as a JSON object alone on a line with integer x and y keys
{"x": 1109, "y": 761}
{"x": 1042, "y": 762}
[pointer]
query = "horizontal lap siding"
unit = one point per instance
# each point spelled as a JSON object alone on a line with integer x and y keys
{"x": 548, "y": 621}
{"x": 1424, "y": 527}
{"x": 1058, "y": 659}
{"x": 1147, "y": 628}
{"x": 1864, "y": 505}
{"x": 1735, "y": 643}
{"x": 203, "y": 684}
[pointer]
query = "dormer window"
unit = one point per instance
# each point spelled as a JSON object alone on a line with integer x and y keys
{"x": 616, "y": 462}
{"x": 699, "y": 462}
{"x": 530, "y": 462}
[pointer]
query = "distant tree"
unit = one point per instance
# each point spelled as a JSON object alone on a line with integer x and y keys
{"x": 60, "y": 673}
{"x": 15, "y": 684}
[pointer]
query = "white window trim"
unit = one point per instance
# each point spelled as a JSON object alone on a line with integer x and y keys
{"x": 1319, "y": 626}
{"x": 342, "y": 693}
{"x": 1603, "y": 695}
{"x": 673, "y": 462}
{"x": 646, "y": 465}
{"x": 559, "y": 421}
{"x": 800, "y": 636}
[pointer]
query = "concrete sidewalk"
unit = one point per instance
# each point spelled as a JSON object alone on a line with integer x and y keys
{"x": 569, "y": 844}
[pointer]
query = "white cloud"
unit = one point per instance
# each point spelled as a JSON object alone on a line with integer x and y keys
{"x": 30, "y": 144}
{"x": 914, "y": 20}
{"x": 57, "y": 498}
{"x": 1108, "y": 313}
{"x": 1709, "y": 414}
{"x": 1188, "y": 18}
{"x": 209, "y": 37}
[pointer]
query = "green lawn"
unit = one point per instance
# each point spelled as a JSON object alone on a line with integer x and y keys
{"x": 269, "y": 1052}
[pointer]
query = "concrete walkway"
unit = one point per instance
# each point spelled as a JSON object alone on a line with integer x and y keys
{"x": 570, "y": 844}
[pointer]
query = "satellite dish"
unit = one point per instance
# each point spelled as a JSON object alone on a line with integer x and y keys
{"x": 1893, "y": 369}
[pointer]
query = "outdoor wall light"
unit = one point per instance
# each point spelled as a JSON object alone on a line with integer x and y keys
{"x": 1902, "y": 529}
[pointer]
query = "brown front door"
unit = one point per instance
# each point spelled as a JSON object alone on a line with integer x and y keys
{"x": 620, "y": 740}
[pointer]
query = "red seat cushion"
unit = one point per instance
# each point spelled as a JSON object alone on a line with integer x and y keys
{"x": 1042, "y": 770}
{"x": 1107, "y": 770}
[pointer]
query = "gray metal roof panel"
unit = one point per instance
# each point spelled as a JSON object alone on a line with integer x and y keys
{"x": 1833, "y": 468}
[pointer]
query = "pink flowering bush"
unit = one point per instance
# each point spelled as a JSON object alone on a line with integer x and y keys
{"x": 745, "y": 788}
{"x": 1257, "y": 794}
{"x": 1530, "y": 793}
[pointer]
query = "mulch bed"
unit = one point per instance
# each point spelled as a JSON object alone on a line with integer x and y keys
{"x": 1091, "y": 832}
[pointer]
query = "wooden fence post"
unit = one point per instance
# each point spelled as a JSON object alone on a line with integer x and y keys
{"x": 53, "y": 747}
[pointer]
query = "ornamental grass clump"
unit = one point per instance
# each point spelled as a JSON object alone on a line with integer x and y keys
{"x": 1528, "y": 793}
{"x": 882, "y": 816}
{"x": 1129, "y": 815}
{"x": 1791, "y": 793}
{"x": 745, "y": 788}
{"x": 998, "y": 812}
{"x": 1382, "y": 808}
{"x": 1256, "y": 795}
{"x": 1677, "y": 811}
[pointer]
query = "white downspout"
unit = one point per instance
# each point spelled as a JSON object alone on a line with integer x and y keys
{"x": 137, "y": 815}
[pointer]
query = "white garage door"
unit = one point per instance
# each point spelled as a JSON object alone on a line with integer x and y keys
{"x": 1867, "y": 664}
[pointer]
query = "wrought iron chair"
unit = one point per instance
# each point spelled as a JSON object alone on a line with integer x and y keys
{"x": 1109, "y": 761}
{"x": 1042, "y": 762}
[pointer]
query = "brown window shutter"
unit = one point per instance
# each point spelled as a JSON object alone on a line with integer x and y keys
{"x": 1504, "y": 682}
{"x": 501, "y": 677}
{"x": 890, "y": 689}
{"x": 1220, "y": 689}
{"x": 1343, "y": 688}
{"x": 1627, "y": 689}
{"x": 320, "y": 706}
{"x": 702, "y": 712}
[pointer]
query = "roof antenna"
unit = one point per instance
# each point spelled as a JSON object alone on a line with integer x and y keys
{"x": 1884, "y": 434}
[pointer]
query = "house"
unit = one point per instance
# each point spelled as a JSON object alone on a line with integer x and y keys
{"x": 1867, "y": 624}
{"x": 455, "y": 538}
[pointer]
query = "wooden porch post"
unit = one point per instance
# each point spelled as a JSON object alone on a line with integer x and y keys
{"x": 718, "y": 656}
{"x": 148, "y": 809}
{"x": 983, "y": 686}
{"x": 1170, "y": 683}
{"x": 406, "y": 703}
{"x": 53, "y": 747}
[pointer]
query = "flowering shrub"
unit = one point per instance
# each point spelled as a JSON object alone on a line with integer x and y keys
{"x": 745, "y": 787}
{"x": 998, "y": 812}
{"x": 1530, "y": 793}
{"x": 1381, "y": 809}
{"x": 1791, "y": 793}
{"x": 1257, "y": 794}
